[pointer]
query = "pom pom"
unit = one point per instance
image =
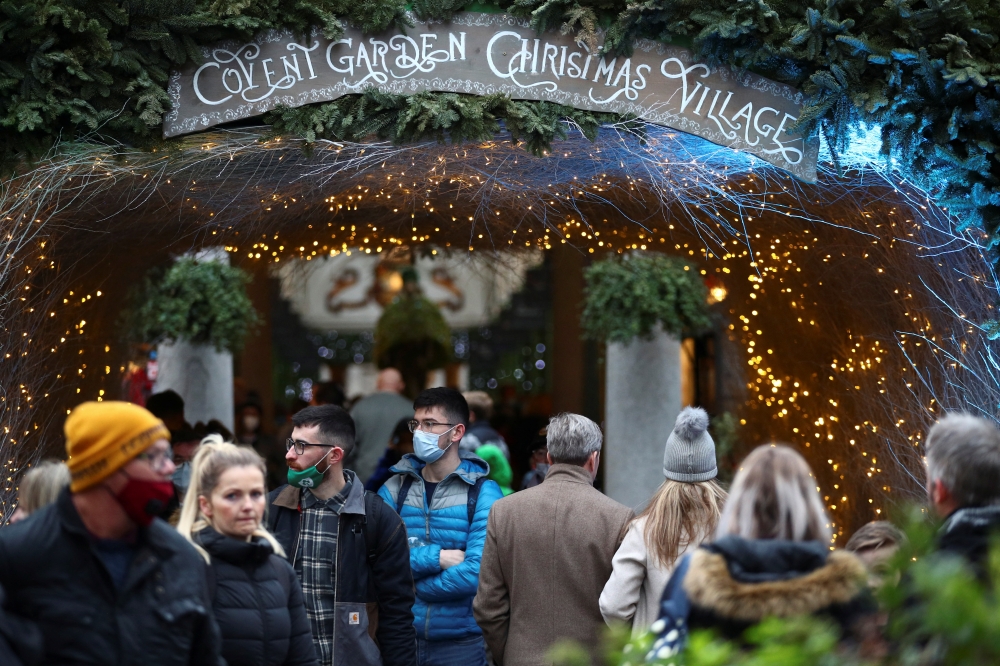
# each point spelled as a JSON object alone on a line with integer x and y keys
{"x": 691, "y": 423}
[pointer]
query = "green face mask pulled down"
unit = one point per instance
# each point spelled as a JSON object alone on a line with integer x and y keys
{"x": 307, "y": 478}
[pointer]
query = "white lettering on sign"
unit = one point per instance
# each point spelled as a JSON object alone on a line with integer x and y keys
{"x": 483, "y": 54}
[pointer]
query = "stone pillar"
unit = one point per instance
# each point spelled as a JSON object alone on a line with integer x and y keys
{"x": 202, "y": 376}
{"x": 643, "y": 398}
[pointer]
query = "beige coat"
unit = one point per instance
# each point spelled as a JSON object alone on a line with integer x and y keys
{"x": 632, "y": 594}
{"x": 547, "y": 557}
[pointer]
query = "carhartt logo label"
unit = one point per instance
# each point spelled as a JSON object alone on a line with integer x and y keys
{"x": 355, "y": 618}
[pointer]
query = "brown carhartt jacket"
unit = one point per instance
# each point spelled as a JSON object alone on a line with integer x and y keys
{"x": 547, "y": 557}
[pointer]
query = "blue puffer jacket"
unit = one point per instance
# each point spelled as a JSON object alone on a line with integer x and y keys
{"x": 443, "y": 608}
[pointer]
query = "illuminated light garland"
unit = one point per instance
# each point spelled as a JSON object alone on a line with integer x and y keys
{"x": 775, "y": 244}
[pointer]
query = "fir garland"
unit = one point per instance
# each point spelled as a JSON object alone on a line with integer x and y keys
{"x": 926, "y": 71}
{"x": 627, "y": 297}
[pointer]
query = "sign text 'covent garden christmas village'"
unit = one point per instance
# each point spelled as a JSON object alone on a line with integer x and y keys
{"x": 483, "y": 54}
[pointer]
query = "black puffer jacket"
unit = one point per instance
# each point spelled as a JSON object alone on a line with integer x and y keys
{"x": 735, "y": 583}
{"x": 258, "y": 604}
{"x": 162, "y": 615}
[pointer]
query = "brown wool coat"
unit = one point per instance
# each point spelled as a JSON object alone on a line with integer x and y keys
{"x": 547, "y": 557}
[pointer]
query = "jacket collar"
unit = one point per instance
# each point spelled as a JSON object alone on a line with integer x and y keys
{"x": 289, "y": 496}
{"x": 469, "y": 469}
{"x": 711, "y": 585}
{"x": 973, "y": 519}
{"x": 234, "y": 551}
{"x": 566, "y": 473}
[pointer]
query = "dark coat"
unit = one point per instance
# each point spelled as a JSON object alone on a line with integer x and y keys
{"x": 258, "y": 604}
{"x": 374, "y": 582}
{"x": 967, "y": 533}
{"x": 734, "y": 583}
{"x": 54, "y": 579}
{"x": 20, "y": 641}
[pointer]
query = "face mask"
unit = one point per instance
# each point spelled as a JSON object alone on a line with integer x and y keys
{"x": 425, "y": 445}
{"x": 144, "y": 500}
{"x": 307, "y": 478}
{"x": 251, "y": 423}
{"x": 542, "y": 468}
{"x": 182, "y": 477}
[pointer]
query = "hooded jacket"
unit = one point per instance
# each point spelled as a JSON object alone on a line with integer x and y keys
{"x": 500, "y": 470}
{"x": 443, "y": 609}
{"x": 161, "y": 616}
{"x": 374, "y": 623}
{"x": 257, "y": 603}
{"x": 734, "y": 583}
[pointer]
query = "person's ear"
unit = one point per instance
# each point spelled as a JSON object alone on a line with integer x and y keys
{"x": 939, "y": 493}
{"x": 548, "y": 458}
{"x": 336, "y": 455}
{"x": 458, "y": 433}
{"x": 205, "y": 505}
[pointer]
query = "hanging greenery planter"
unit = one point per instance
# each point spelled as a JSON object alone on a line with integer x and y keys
{"x": 202, "y": 302}
{"x": 626, "y": 297}
{"x": 412, "y": 336}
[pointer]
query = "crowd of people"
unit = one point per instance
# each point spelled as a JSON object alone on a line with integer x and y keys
{"x": 430, "y": 558}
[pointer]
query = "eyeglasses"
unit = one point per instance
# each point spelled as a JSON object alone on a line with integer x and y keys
{"x": 300, "y": 446}
{"x": 426, "y": 426}
{"x": 157, "y": 459}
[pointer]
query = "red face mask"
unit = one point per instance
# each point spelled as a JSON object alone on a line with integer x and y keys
{"x": 144, "y": 500}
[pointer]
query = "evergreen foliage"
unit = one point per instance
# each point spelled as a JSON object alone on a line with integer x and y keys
{"x": 195, "y": 301}
{"x": 926, "y": 71}
{"x": 412, "y": 335}
{"x": 626, "y": 297}
{"x": 439, "y": 116}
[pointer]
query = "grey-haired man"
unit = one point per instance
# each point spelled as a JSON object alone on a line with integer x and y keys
{"x": 963, "y": 484}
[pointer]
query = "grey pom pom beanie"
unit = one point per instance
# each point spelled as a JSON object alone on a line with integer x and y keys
{"x": 690, "y": 452}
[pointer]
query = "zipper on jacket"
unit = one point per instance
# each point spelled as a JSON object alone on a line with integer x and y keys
{"x": 427, "y": 535}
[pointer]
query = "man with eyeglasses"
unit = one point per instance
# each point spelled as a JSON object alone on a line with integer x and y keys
{"x": 104, "y": 579}
{"x": 348, "y": 548}
{"x": 444, "y": 498}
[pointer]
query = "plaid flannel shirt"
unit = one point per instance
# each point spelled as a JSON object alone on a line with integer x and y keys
{"x": 316, "y": 566}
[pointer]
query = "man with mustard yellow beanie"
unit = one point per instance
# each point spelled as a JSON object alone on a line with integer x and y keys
{"x": 105, "y": 580}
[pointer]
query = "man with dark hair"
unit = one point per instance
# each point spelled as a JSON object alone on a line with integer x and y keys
{"x": 444, "y": 499}
{"x": 168, "y": 406}
{"x": 348, "y": 549}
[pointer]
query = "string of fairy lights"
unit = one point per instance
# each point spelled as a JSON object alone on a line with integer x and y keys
{"x": 854, "y": 307}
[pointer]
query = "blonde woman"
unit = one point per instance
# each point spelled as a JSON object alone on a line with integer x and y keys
{"x": 682, "y": 514}
{"x": 256, "y": 596}
{"x": 40, "y": 487}
{"x": 771, "y": 557}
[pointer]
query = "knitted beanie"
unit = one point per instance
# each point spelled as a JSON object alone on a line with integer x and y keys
{"x": 102, "y": 437}
{"x": 690, "y": 452}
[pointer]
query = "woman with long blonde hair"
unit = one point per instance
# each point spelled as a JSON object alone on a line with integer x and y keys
{"x": 683, "y": 513}
{"x": 256, "y": 595}
{"x": 771, "y": 558}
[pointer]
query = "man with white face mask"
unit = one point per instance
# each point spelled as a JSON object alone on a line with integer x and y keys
{"x": 444, "y": 499}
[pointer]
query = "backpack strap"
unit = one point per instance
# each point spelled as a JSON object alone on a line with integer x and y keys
{"x": 474, "y": 497}
{"x": 404, "y": 490}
